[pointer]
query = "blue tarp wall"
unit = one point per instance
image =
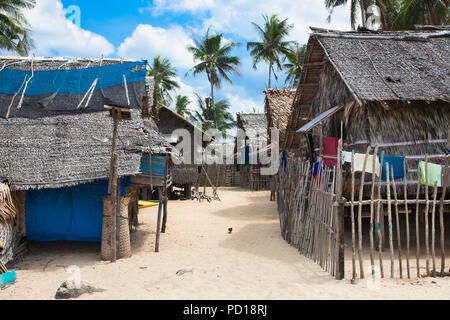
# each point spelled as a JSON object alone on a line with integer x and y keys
{"x": 71, "y": 213}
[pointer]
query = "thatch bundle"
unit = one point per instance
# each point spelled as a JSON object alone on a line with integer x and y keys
{"x": 184, "y": 174}
{"x": 7, "y": 208}
{"x": 54, "y": 152}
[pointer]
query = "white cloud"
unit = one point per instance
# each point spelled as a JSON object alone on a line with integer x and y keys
{"x": 148, "y": 41}
{"x": 234, "y": 16}
{"x": 53, "y": 34}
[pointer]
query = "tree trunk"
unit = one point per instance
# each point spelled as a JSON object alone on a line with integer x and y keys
{"x": 270, "y": 71}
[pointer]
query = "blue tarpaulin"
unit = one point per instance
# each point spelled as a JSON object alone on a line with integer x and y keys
{"x": 70, "y": 214}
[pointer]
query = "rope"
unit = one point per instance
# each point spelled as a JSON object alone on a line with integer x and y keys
{"x": 26, "y": 85}
{"x": 378, "y": 73}
{"x": 126, "y": 89}
{"x": 14, "y": 97}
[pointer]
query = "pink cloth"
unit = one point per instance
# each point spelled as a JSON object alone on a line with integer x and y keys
{"x": 330, "y": 149}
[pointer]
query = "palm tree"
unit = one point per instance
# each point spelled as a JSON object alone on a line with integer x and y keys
{"x": 214, "y": 60}
{"x": 272, "y": 46}
{"x": 425, "y": 12}
{"x": 294, "y": 65}
{"x": 164, "y": 75}
{"x": 218, "y": 113}
{"x": 14, "y": 32}
{"x": 181, "y": 106}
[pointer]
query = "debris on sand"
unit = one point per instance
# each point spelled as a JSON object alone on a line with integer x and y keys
{"x": 64, "y": 292}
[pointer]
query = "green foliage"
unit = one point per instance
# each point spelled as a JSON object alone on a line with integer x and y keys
{"x": 294, "y": 65}
{"x": 14, "y": 31}
{"x": 272, "y": 46}
{"x": 181, "y": 106}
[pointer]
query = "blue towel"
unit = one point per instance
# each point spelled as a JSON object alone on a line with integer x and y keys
{"x": 283, "y": 160}
{"x": 395, "y": 162}
{"x": 316, "y": 168}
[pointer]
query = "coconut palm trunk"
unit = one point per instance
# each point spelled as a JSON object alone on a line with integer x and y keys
{"x": 270, "y": 71}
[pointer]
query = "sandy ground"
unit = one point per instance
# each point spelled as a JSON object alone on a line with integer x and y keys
{"x": 253, "y": 262}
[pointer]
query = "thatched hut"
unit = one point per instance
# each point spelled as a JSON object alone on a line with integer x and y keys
{"x": 379, "y": 89}
{"x": 387, "y": 88}
{"x": 255, "y": 127}
{"x": 56, "y": 138}
{"x": 185, "y": 174}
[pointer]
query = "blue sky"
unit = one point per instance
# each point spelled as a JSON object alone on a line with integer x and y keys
{"x": 143, "y": 29}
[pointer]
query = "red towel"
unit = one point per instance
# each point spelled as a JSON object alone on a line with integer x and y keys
{"x": 330, "y": 149}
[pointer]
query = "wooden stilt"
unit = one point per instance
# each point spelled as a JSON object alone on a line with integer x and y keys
{"x": 380, "y": 236}
{"x": 353, "y": 219}
{"x": 427, "y": 208}
{"x": 158, "y": 222}
{"x": 441, "y": 218}
{"x": 405, "y": 190}
{"x": 372, "y": 197}
{"x": 417, "y": 229}
{"x": 361, "y": 190}
{"x": 391, "y": 245}
{"x": 433, "y": 230}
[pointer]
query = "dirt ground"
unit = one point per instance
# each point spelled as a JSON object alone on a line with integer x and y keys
{"x": 253, "y": 262}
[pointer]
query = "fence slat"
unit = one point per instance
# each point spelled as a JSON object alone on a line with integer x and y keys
{"x": 397, "y": 221}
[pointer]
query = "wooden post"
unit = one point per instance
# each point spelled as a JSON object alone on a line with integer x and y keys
{"x": 441, "y": 218}
{"x": 405, "y": 189}
{"x": 417, "y": 229}
{"x": 397, "y": 222}
{"x": 361, "y": 190}
{"x": 391, "y": 245}
{"x": 380, "y": 237}
{"x": 164, "y": 222}
{"x": 113, "y": 197}
{"x": 117, "y": 210}
{"x": 433, "y": 230}
{"x": 158, "y": 221}
{"x": 339, "y": 249}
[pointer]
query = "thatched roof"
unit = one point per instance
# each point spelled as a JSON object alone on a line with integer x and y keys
{"x": 278, "y": 104}
{"x": 251, "y": 121}
{"x": 60, "y": 151}
{"x": 389, "y": 68}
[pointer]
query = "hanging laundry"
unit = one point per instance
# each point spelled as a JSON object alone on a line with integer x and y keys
{"x": 316, "y": 169}
{"x": 396, "y": 162}
{"x": 330, "y": 149}
{"x": 283, "y": 160}
{"x": 358, "y": 162}
{"x": 434, "y": 174}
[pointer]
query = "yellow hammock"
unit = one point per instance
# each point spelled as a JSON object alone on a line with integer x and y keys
{"x": 146, "y": 204}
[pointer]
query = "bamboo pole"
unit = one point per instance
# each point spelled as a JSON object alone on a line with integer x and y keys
{"x": 397, "y": 222}
{"x": 380, "y": 238}
{"x": 372, "y": 196}
{"x": 353, "y": 219}
{"x": 391, "y": 244}
{"x": 405, "y": 189}
{"x": 433, "y": 230}
{"x": 427, "y": 208}
{"x": 361, "y": 189}
{"x": 339, "y": 248}
{"x": 441, "y": 218}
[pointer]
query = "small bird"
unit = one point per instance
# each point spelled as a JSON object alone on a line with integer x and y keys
{"x": 230, "y": 230}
